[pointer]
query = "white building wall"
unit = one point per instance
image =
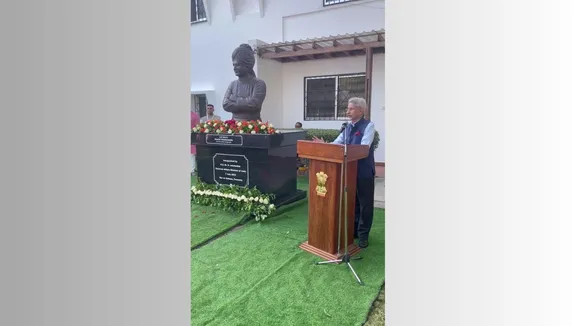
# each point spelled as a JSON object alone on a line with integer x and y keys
{"x": 293, "y": 74}
{"x": 212, "y": 44}
{"x": 271, "y": 72}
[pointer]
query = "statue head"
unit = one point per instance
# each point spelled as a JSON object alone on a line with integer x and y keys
{"x": 243, "y": 60}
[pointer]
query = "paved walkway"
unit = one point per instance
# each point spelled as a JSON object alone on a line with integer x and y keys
{"x": 380, "y": 192}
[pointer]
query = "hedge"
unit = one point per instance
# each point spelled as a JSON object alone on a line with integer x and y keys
{"x": 331, "y": 134}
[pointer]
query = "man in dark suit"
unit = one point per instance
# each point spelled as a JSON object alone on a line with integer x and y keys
{"x": 361, "y": 131}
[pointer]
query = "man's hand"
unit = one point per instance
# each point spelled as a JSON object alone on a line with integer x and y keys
{"x": 318, "y": 140}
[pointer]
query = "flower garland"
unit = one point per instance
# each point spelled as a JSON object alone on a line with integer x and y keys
{"x": 236, "y": 127}
{"x": 233, "y": 198}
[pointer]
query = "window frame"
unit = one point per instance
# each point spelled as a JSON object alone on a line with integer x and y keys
{"x": 198, "y": 20}
{"x": 336, "y": 90}
{"x": 326, "y": 4}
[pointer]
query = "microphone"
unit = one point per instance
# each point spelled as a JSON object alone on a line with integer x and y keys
{"x": 343, "y": 126}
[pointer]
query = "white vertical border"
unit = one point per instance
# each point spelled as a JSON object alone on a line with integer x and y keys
{"x": 482, "y": 162}
{"x": 95, "y": 215}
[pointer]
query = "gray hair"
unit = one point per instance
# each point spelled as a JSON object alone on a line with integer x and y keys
{"x": 359, "y": 102}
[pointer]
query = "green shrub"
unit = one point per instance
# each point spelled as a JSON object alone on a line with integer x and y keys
{"x": 331, "y": 134}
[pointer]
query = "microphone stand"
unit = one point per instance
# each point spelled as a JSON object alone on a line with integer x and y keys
{"x": 343, "y": 209}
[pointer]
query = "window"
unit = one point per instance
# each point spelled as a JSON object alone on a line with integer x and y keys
{"x": 335, "y": 2}
{"x": 197, "y": 11}
{"x": 199, "y": 103}
{"x": 326, "y": 97}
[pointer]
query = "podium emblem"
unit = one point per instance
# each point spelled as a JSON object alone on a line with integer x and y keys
{"x": 321, "y": 178}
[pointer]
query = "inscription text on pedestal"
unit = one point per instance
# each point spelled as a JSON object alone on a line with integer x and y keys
{"x": 232, "y": 140}
{"x": 231, "y": 169}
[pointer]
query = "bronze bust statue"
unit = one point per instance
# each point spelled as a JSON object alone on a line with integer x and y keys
{"x": 244, "y": 97}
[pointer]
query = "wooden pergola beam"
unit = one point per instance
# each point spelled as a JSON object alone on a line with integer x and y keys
{"x": 318, "y": 46}
{"x": 323, "y": 50}
{"x": 340, "y": 38}
{"x": 368, "y": 80}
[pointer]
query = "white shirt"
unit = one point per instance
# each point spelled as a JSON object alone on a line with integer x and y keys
{"x": 208, "y": 118}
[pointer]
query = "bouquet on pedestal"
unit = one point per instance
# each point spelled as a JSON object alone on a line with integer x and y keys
{"x": 235, "y": 127}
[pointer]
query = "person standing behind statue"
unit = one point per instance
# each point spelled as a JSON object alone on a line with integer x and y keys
{"x": 360, "y": 131}
{"x": 244, "y": 97}
{"x": 299, "y": 162}
{"x": 210, "y": 116}
{"x": 194, "y": 122}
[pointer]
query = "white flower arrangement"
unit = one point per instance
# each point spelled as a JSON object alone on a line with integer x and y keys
{"x": 233, "y": 198}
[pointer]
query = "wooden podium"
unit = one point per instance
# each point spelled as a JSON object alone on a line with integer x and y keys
{"x": 324, "y": 197}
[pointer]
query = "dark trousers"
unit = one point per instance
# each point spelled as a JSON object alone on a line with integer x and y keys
{"x": 363, "y": 209}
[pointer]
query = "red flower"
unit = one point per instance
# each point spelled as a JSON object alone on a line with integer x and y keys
{"x": 357, "y": 133}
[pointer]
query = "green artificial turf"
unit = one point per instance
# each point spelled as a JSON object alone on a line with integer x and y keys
{"x": 258, "y": 276}
{"x": 302, "y": 182}
{"x": 208, "y": 222}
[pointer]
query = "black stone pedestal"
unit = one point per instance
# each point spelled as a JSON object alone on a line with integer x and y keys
{"x": 267, "y": 162}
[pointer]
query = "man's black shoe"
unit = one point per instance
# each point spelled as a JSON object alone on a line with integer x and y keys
{"x": 363, "y": 243}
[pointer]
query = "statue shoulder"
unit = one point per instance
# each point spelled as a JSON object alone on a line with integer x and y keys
{"x": 260, "y": 82}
